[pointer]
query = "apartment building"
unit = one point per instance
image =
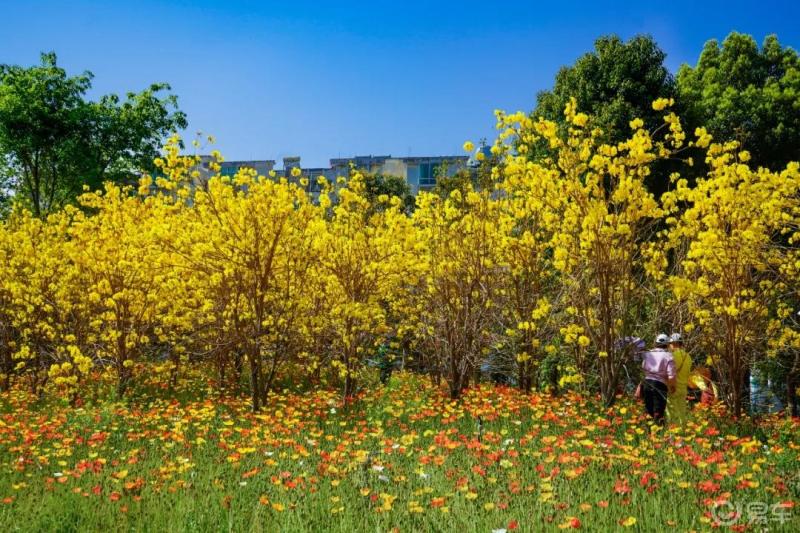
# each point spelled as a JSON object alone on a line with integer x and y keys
{"x": 420, "y": 172}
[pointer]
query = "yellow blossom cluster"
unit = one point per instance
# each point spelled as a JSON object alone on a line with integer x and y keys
{"x": 551, "y": 258}
{"x": 737, "y": 232}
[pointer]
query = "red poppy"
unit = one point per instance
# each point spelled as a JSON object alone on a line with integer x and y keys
{"x": 708, "y": 486}
{"x": 621, "y": 486}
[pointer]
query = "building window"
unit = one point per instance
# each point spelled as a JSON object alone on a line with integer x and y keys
{"x": 428, "y": 172}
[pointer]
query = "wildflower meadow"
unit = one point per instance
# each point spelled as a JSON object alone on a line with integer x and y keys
{"x": 403, "y": 457}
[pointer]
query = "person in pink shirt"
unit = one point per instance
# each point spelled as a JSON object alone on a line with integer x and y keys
{"x": 659, "y": 378}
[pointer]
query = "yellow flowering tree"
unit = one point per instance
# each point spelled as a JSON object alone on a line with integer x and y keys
{"x": 7, "y": 331}
{"x": 530, "y": 292}
{"x": 194, "y": 324}
{"x": 786, "y": 346}
{"x": 249, "y": 240}
{"x": 124, "y": 273}
{"x": 739, "y": 233}
{"x": 461, "y": 236}
{"x": 606, "y": 216}
{"x": 45, "y": 313}
{"x": 366, "y": 262}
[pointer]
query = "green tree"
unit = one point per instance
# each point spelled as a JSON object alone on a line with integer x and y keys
{"x": 476, "y": 175}
{"x": 6, "y": 189}
{"x": 54, "y": 141}
{"x": 379, "y": 184}
{"x": 463, "y": 180}
{"x": 614, "y": 84}
{"x": 738, "y": 91}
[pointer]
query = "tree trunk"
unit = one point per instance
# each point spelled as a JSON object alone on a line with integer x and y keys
{"x": 459, "y": 382}
{"x": 173, "y": 372}
{"x": 436, "y": 377}
{"x": 221, "y": 372}
{"x": 552, "y": 378}
{"x": 526, "y": 376}
{"x": 608, "y": 381}
{"x": 349, "y": 385}
{"x": 455, "y": 388}
{"x": 7, "y": 369}
{"x": 238, "y": 369}
{"x": 123, "y": 372}
{"x": 255, "y": 377}
{"x": 739, "y": 393}
{"x": 349, "y": 379}
{"x": 124, "y": 375}
{"x": 254, "y": 394}
{"x": 267, "y": 381}
{"x": 736, "y": 401}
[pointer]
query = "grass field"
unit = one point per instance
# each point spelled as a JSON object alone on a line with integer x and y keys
{"x": 401, "y": 458}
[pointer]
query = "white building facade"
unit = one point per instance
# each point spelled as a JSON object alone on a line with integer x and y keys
{"x": 419, "y": 172}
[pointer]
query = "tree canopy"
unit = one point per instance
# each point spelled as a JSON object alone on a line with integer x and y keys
{"x": 377, "y": 185}
{"x": 735, "y": 91}
{"x": 615, "y": 83}
{"x": 54, "y": 141}
{"x": 738, "y": 91}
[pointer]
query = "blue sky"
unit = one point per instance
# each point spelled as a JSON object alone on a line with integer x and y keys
{"x": 330, "y": 79}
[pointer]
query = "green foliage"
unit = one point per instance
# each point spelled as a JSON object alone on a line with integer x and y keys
{"x": 6, "y": 187}
{"x": 54, "y": 141}
{"x": 462, "y": 181}
{"x": 615, "y": 83}
{"x": 380, "y": 184}
{"x": 738, "y": 91}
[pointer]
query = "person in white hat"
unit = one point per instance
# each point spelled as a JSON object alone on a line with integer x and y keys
{"x": 676, "y": 400}
{"x": 659, "y": 378}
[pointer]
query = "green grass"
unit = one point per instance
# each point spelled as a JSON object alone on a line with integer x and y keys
{"x": 204, "y": 463}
